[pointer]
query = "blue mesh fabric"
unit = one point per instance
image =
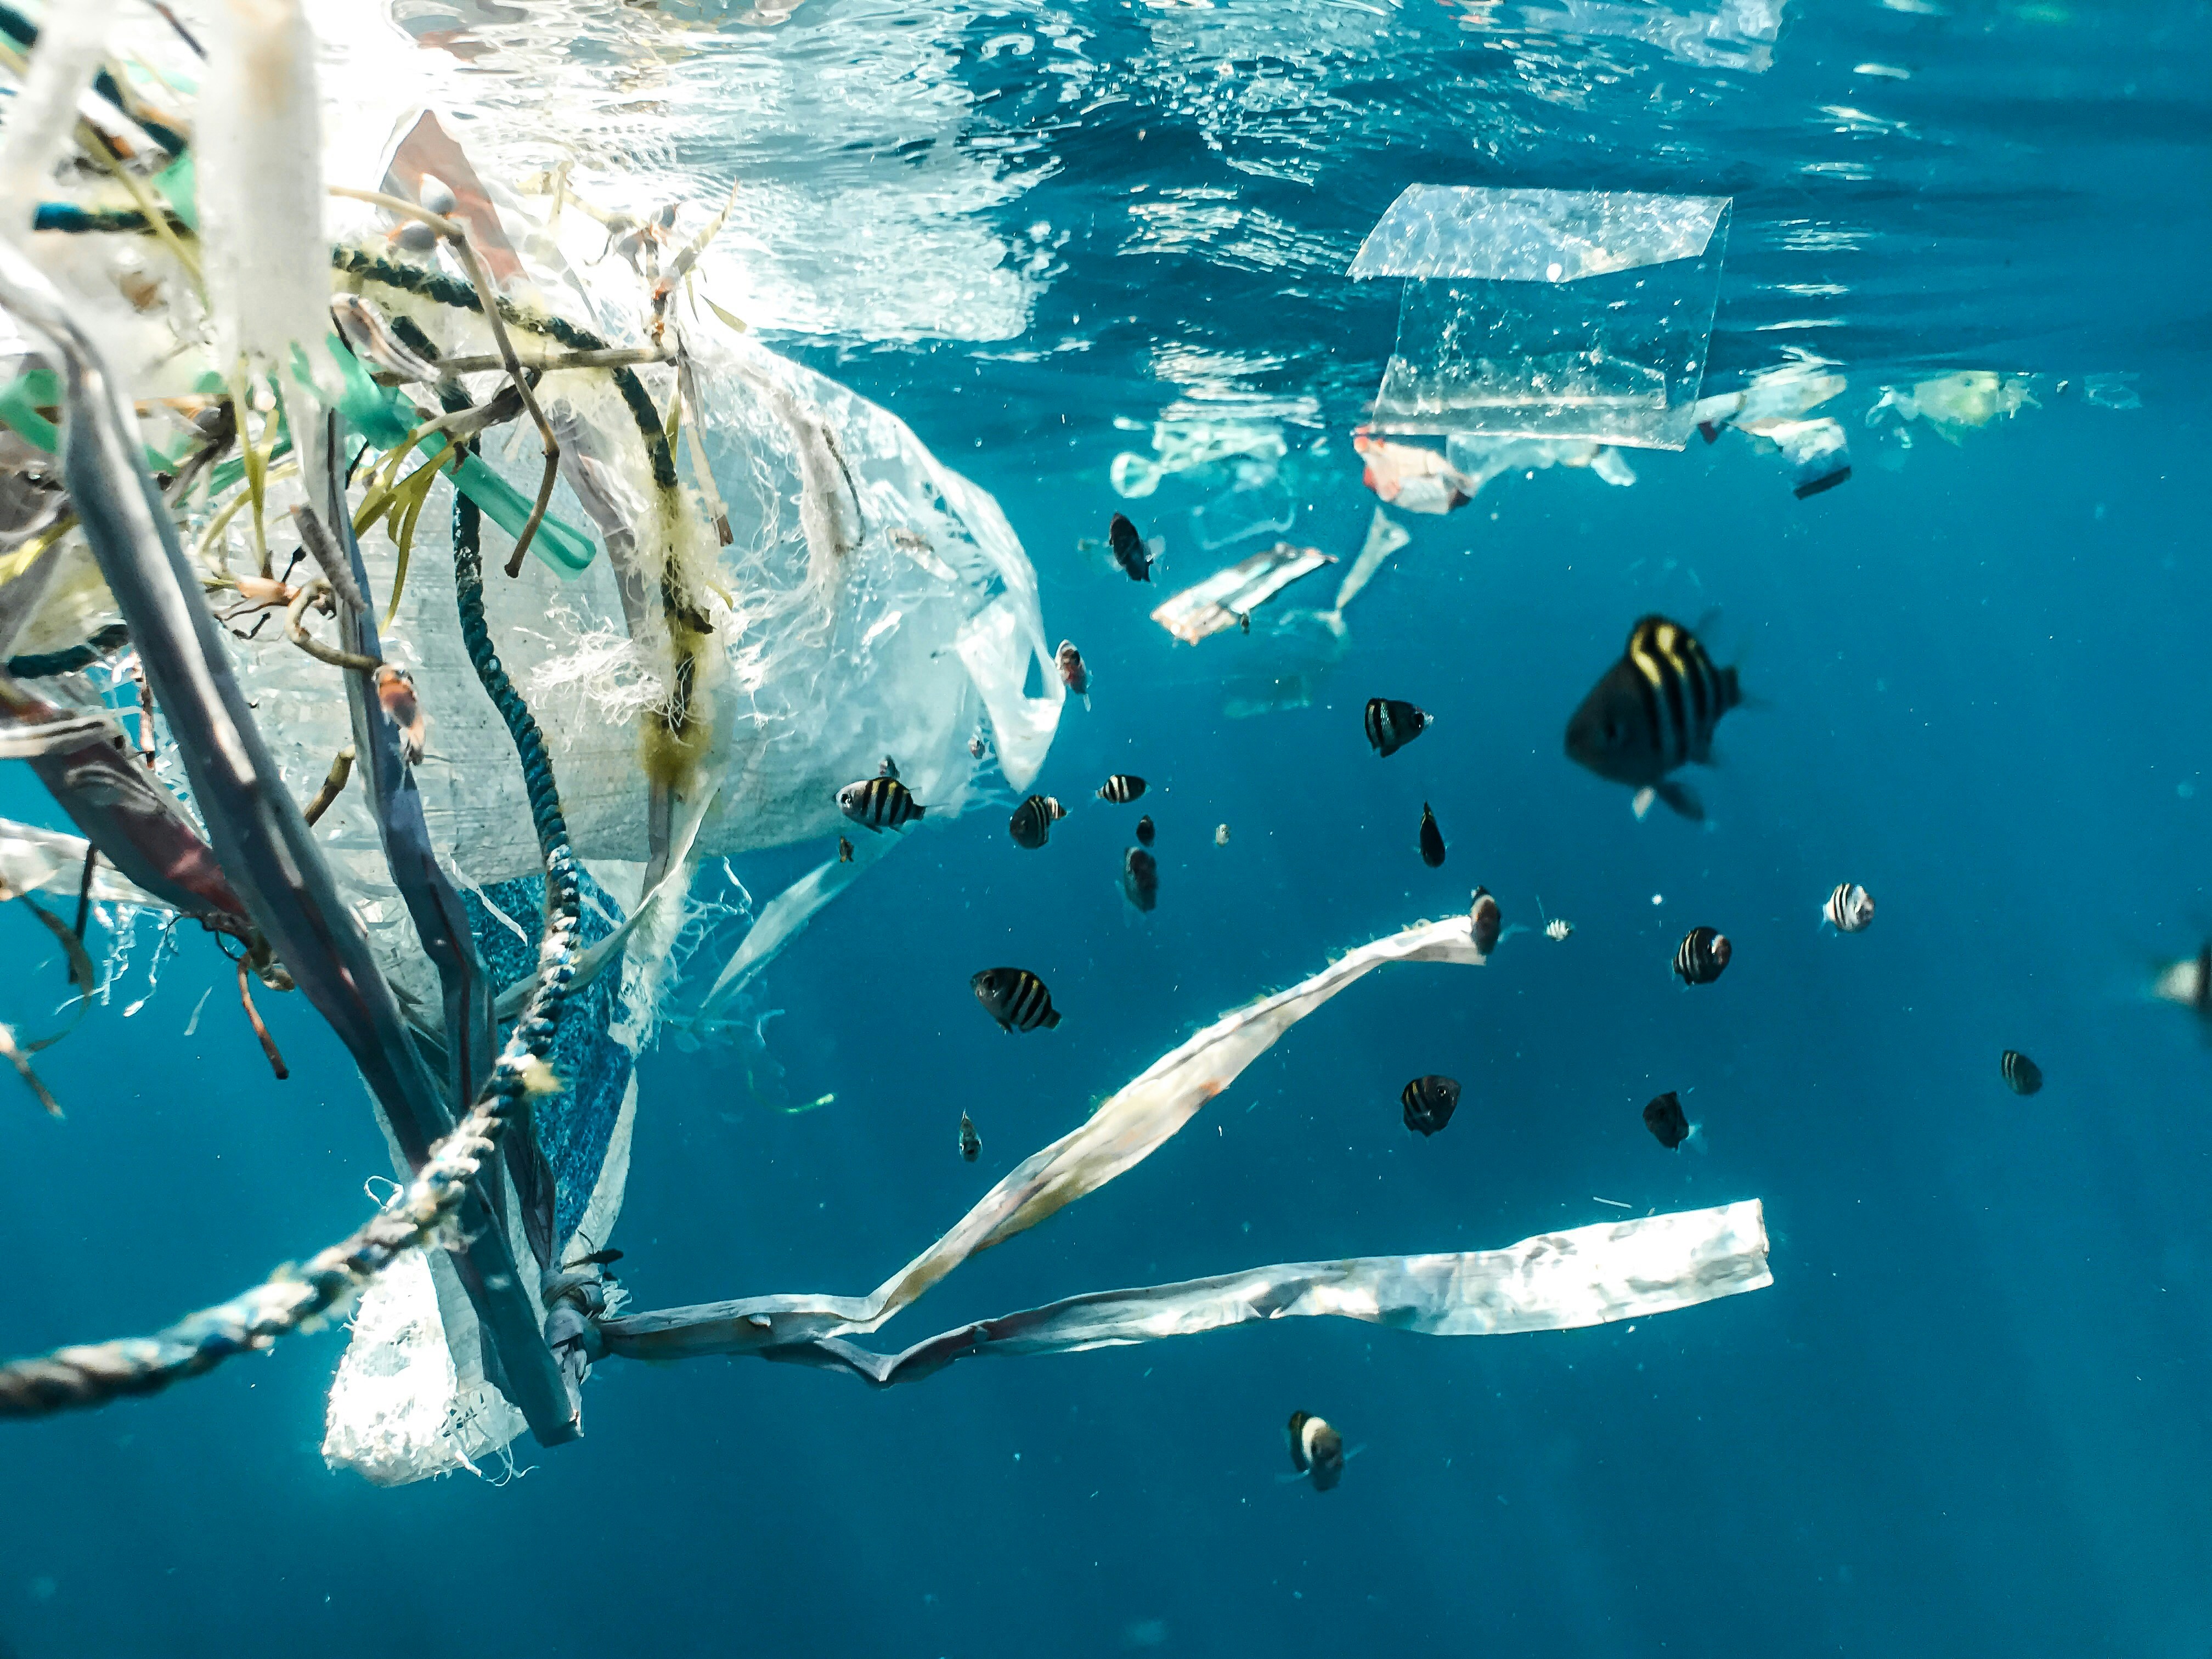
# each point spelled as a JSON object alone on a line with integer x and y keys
{"x": 574, "y": 1126}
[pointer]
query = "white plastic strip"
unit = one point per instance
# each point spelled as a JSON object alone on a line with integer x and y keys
{"x": 1554, "y": 1282}
{"x": 1121, "y": 1134}
{"x": 1534, "y": 235}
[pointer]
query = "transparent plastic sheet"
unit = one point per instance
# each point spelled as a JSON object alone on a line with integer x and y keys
{"x": 1252, "y": 509}
{"x": 1184, "y": 445}
{"x": 1954, "y": 404}
{"x": 36, "y": 860}
{"x": 1560, "y": 1280}
{"x": 1544, "y": 313}
{"x": 1294, "y": 651}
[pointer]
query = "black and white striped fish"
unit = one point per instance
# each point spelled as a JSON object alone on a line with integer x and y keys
{"x": 1121, "y": 788}
{"x": 879, "y": 804}
{"x": 2021, "y": 1075}
{"x": 1391, "y": 725}
{"x": 1665, "y": 1118}
{"x": 1654, "y": 710}
{"x": 1430, "y": 1102}
{"x": 1848, "y": 908}
{"x": 971, "y": 1144}
{"x": 1016, "y": 997}
{"x": 1432, "y": 839}
{"x": 1703, "y": 958}
{"x": 1032, "y": 823}
{"x": 1317, "y": 1450}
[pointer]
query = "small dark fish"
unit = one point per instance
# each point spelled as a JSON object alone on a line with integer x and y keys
{"x": 1654, "y": 709}
{"x": 1016, "y": 997}
{"x": 597, "y": 1259}
{"x": 879, "y": 803}
{"x": 1121, "y": 789}
{"x": 1072, "y": 669}
{"x": 844, "y": 850}
{"x": 1487, "y": 918}
{"x": 2021, "y": 1075}
{"x": 1141, "y": 877}
{"x": 1032, "y": 823}
{"x": 889, "y": 769}
{"x": 395, "y": 690}
{"x": 971, "y": 1144}
{"x": 1704, "y": 956}
{"x": 1391, "y": 725}
{"x": 1317, "y": 1450}
{"x": 1145, "y": 829}
{"x": 1432, "y": 839}
{"x": 1663, "y": 1117}
{"x": 1430, "y": 1102}
{"x": 1130, "y": 551}
{"x": 1848, "y": 908}
{"x": 975, "y": 746}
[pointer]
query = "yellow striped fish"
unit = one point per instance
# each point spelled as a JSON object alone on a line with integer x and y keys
{"x": 1654, "y": 711}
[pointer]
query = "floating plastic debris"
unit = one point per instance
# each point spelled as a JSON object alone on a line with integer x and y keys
{"x": 1228, "y": 597}
{"x": 1952, "y": 405}
{"x": 1185, "y": 446}
{"x": 1548, "y": 313}
{"x": 1772, "y": 411}
{"x": 1264, "y": 508}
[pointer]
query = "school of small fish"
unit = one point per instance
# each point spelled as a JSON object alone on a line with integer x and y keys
{"x": 1652, "y": 712}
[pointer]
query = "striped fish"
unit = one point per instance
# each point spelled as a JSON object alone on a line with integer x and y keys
{"x": 1432, "y": 839}
{"x": 1317, "y": 1450}
{"x": 1391, "y": 725}
{"x": 1664, "y": 1117}
{"x": 1654, "y": 711}
{"x": 1032, "y": 823}
{"x": 1121, "y": 788}
{"x": 2021, "y": 1075}
{"x": 1704, "y": 956}
{"x": 1430, "y": 1102}
{"x": 971, "y": 1144}
{"x": 879, "y": 803}
{"x": 1848, "y": 908}
{"x": 1016, "y": 997}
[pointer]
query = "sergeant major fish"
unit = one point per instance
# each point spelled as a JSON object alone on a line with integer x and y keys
{"x": 1487, "y": 918}
{"x": 879, "y": 803}
{"x": 1032, "y": 823}
{"x": 1703, "y": 958}
{"x": 1121, "y": 788}
{"x": 2021, "y": 1075}
{"x": 1430, "y": 1102}
{"x": 1145, "y": 829}
{"x": 1654, "y": 710}
{"x": 1848, "y": 908}
{"x": 1016, "y": 997}
{"x": 1392, "y": 723}
{"x": 971, "y": 1144}
{"x": 1664, "y": 1117}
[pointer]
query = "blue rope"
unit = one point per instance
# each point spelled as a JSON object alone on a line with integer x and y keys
{"x": 534, "y": 1029}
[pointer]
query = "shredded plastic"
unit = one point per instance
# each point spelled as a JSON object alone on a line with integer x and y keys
{"x": 1228, "y": 597}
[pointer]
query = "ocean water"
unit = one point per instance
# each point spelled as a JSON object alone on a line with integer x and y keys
{"x": 1970, "y": 1414}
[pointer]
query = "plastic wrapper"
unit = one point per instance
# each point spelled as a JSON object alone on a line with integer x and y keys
{"x": 1548, "y": 313}
{"x": 1772, "y": 410}
{"x": 1951, "y": 405}
{"x": 1228, "y": 597}
{"x": 1185, "y": 446}
{"x": 1260, "y": 508}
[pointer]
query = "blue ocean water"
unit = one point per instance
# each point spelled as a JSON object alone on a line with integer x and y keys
{"x": 1968, "y": 1417}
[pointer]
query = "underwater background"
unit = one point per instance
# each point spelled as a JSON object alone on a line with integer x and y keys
{"x": 1971, "y": 1414}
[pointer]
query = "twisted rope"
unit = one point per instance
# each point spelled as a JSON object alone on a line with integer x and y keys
{"x": 302, "y": 1299}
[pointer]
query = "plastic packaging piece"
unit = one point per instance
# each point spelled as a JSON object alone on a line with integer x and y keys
{"x": 2115, "y": 390}
{"x": 1548, "y": 314}
{"x": 1127, "y": 1129}
{"x": 1818, "y": 452}
{"x": 1384, "y": 537}
{"x": 1185, "y": 446}
{"x": 1477, "y": 460}
{"x": 36, "y": 860}
{"x": 1771, "y": 410}
{"x": 1565, "y": 1281}
{"x": 398, "y": 1409}
{"x": 1534, "y": 235}
{"x": 1412, "y": 477}
{"x": 1228, "y": 597}
{"x": 1251, "y": 509}
{"x": 1952, "y": 405}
